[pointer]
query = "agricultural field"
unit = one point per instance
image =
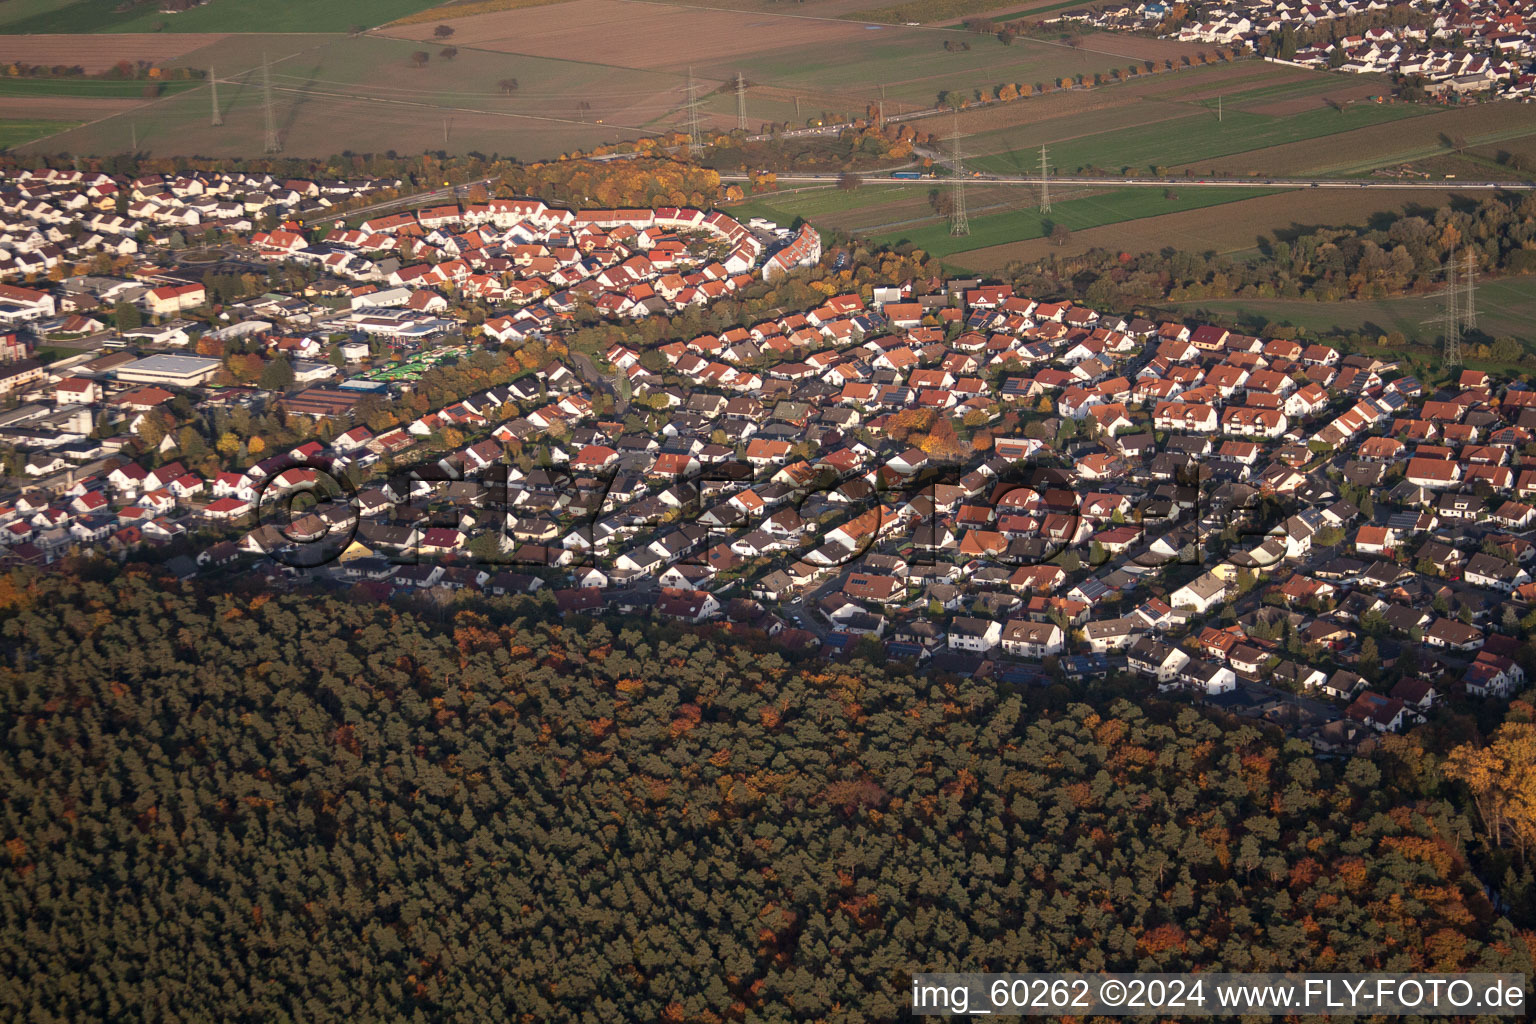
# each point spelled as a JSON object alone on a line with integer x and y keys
{"x": 1503, "y": 308}
{"x": 788, "y": 50}
{"x": 32, "y": 89}
{"x": 848, "y": 210}
{"x": 587, "y": 73}
{"x": 1169, "y": 133}
{"x": 16, "y": 132}
{"x": 99, "y": 53}
{"x": 1233, "y": 229}
{"x": 932, "y": 11}
{"x": 1027, "y": 222}
{"x": 334, "y": 93}
{"x": 103, "y": 16}
{"x": 1490, "y": 126}
{"x": 1166, "y": 118}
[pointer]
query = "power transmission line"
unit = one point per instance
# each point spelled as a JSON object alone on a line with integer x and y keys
{"x": 741, "y": 102}
{"x": 213, "y": 84}
{"x": 959, "y": 222}
{"x": 274, "y": 144}
{"x": 1045, "y": 184}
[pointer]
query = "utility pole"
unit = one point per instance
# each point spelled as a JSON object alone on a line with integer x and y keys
{"x": 445, "y": 133}
{"x": 959, "y": 223}
{"x": 1469, "y": 318}
{"x": 213, "y": 85}
{"x": 741, "y": 102}
{"x": 134, "y": 135}
{"x": 880, "y": 110}
{"x": 274, "y": 144}
{"x": 797, "y": 108}
{"x": 1045, "y": 184}
{"x": 695, "y": 140}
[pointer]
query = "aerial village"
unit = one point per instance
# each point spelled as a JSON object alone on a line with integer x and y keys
{"x": 1477, "y": 48}
{"x": 933, "y": 470}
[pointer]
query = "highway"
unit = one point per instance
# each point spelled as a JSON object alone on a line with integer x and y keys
{"x": 1065, "y": 180}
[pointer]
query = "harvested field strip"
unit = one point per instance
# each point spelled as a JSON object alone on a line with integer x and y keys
{"x": 1076, "y": 214}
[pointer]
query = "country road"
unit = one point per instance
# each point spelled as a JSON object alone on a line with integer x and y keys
{"x": 1437, "y": 185}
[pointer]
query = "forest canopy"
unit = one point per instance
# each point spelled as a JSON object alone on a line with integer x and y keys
{"x": 281, "y": 807}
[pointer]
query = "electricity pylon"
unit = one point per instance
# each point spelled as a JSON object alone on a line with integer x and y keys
{"x": 695, "y": 138}
{"x": 1449, "y": 318}
{"x": 1469, "y": 316}
{"x": 274, "y": 144}
{"x": 741, "y": 102}
{"x": 1045, "y": 184}
{"x": 959, "y": 223}
{"x": 213, "y": 85}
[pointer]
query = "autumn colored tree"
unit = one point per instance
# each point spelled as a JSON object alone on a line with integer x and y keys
{"x": 1501, "y": 777}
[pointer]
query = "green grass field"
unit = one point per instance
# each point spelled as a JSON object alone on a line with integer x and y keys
{"x": 16, "y": 132}
{"x": 89, "y": 16}
{"x": 1076, "y": 214}
{"x": 94, "y": 88}
{"x": 1181, "y": 140}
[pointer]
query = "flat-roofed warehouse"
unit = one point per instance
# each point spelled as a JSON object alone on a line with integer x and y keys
{"x": 186, "y": 371}
{"x": 322, "y": 402}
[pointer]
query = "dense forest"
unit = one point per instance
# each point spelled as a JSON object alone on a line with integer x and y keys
{"x": 258, "y": 807}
